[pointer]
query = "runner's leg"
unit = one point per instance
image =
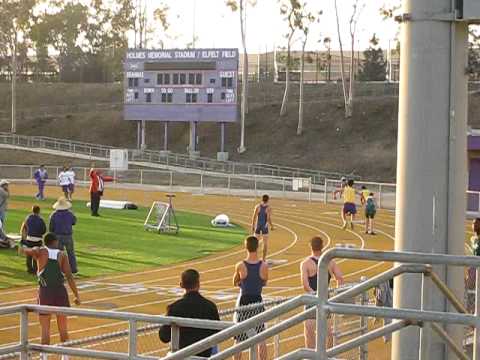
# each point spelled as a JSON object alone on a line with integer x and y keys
{"x": 262, "y": 351}
{"x": 265, "y": 247}
{"x": 62, "y": 324}
{"x": 44, "y": 320}
{"x": 309, "y": 331}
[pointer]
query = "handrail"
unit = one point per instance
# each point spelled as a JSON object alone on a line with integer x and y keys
{"x": 242, "y": 327}
{"x": 119, "y": 315}
{"x": 413, "y": 262}
{"x": 230, "y": 167}
{"x": 326, "y": 306}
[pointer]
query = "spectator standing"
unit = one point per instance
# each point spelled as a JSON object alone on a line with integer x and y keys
{"x": 308, "y": 272}
{"x": 53, "y": 268}
{"x": 97, "y": 181}
{"x": 40, "y": 176}
{"x": 64, "y": 181}
{"x": 251, "y": 276}
{"x": 191, "y": 305}
{"x": 5, "y": 241}
{"x": 32, "y": 230}
{"x": 61, "y": 224}
{"x": 71, "y": 184}
{"x": 4, "y": 195}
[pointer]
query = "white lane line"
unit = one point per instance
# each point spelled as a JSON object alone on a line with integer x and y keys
{"x": 295, "y": 237}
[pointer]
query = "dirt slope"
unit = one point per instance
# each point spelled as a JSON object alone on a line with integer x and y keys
{"x": 364, "y": 144}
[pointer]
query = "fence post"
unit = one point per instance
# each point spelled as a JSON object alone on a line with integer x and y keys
{"x": 380, "y": 196}
{"x": 476, "y": 336}
{"x": 335, "y": 330}
{"x": 310, "y": 190}
{"x": 31, "y": 175}
{"x": 255, "y": 181}
{"x": 132, "y": 339}
{"x": 141, "y": 176}
{"x": 114, "y": 176}
{"x": 253, "y": 352}
{"x": 325, "y": 189}
{"x": 283, "y": 187}
{"x": 425, "y": 329}
{"x": 229, "y": 184}
{"x": 84, "y": 174}
{"x": 171, "y": 179}
{"x": 24, "y": 334}
{"x": 363, "y": 323}
{"x": 478, "y": 200}
{"x": 201, "y": 182}
{"x": 276, "y": 342}
{"x": 175, "y": 338}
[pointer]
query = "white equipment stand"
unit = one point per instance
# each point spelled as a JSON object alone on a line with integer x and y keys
{"x": 162, "y": 218}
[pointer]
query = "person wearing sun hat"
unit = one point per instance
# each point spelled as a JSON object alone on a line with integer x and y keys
{"x": 61, "y": 224}
{"x": 4, "y": 195}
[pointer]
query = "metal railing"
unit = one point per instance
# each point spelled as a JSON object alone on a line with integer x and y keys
{"x": 322, "y": 306}
{"x": 25, "y": 346}
{"x": 181, "y": 180}
{"x": 167, "y": 159}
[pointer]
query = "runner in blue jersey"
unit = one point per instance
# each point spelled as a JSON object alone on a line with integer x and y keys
{"x": 262, "y": 223}
{"x": 251, "y": 275}
{"x": 309, "y": 271}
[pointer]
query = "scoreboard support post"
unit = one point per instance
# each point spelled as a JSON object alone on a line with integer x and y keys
{"x": 192, "y": 147}
{"x": 165, "y": 136}
{"x": 222, "y": 155}
{"x": 138, "y": 135}
{"x": 143, "y": 145}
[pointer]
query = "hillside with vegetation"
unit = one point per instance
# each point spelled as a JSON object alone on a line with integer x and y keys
{"x": 364, "y": 144}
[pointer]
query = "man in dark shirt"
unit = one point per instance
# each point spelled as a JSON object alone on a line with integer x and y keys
{"x": 33, "y": 229}
{"x": 191, "y": 305}
{"x": 61, "y": 224}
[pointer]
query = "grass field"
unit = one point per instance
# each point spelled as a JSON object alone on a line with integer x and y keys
{"x": 116, "y": 242}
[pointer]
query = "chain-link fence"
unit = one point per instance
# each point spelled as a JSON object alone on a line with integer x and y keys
{"x": 113, "y": 336}
{"x": 384, "y": 193}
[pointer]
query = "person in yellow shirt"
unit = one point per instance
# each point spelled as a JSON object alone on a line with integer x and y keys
{"x": 349, "y": 207}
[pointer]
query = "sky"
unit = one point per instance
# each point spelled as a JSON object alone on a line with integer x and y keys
{"x": 217, "y": 26}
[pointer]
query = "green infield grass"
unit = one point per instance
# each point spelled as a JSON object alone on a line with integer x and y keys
{"x": 117, "y": 242}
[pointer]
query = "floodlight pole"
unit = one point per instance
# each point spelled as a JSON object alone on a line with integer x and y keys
{"x": 431, "y": 165}
{"x": 14, "y": 84}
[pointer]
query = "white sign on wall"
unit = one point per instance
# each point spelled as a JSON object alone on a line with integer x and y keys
{"x": 118, "y": 159}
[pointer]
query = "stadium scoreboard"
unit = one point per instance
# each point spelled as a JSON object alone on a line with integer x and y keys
{"x": 192, "y": 85}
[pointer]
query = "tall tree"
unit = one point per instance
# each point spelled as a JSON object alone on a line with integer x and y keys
{"x": 16, "y": 20}
{"x": 327, "y": 42}
{"x": 241, "y": 7}
{"x": 307, "y": 18}
{"x": 353, "y": 21}
{"x": 64, "y": 31}
{"x": 374, "y": 66}
{"x": 291, "y": 10}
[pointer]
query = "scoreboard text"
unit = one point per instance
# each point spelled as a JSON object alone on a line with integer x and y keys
{"x": 181, "y": 85}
